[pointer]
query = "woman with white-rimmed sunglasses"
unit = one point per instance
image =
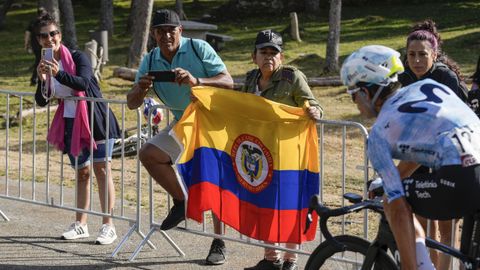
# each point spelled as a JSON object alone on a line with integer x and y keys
{"x": 64, "y": 74}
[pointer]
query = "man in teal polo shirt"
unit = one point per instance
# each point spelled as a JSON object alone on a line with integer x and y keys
{"x": 192, "y": 62}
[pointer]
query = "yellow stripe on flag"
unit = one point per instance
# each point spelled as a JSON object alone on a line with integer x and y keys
{"x": 219, "y": 116}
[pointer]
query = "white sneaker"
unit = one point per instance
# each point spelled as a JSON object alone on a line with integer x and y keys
{"x": 76, "y": 231}
{"x": 106, "y": 235}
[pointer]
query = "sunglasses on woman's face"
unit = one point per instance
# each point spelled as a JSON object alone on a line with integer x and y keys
{"x": 51, "y": 34}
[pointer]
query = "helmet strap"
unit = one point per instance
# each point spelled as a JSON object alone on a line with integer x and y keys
{"x": 369, "y": 111}
{"x": 375, "y": 97}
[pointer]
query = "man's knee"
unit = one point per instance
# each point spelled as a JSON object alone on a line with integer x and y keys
{"x": 152, "y": 155}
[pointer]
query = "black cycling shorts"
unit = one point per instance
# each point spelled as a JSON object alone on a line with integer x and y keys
{"x": 450, "y": 192}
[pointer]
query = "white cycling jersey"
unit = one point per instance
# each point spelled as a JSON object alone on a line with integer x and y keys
{"x": 427, "y": 123}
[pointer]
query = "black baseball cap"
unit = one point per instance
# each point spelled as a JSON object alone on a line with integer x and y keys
{"x": 165, "y": 17}
{"x": 269, "y": 38}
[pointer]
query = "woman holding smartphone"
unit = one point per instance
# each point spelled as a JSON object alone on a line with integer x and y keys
{"x": 65, "y": 73}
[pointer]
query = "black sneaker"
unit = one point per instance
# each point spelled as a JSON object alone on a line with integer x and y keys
{"x": 175, "y": 216}
{"x": 266, "y": 265}
{"x": 216, "y": 256}
{"x": 289, "y": 266}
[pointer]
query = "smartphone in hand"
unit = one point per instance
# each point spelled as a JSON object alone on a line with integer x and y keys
{"x": 47, "y": 54}
{"x": 162, "y": 76}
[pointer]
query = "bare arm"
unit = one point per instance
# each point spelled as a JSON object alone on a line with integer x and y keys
{"x": 138, "y": 92}
{"x": 400, "y": 218}
{"x": 221, "y": 80}
{"x": 406, "y": 168}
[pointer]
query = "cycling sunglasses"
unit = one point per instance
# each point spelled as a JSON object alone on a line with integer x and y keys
{"x": 353, "y": 91}
{"x": 51, "y": 34}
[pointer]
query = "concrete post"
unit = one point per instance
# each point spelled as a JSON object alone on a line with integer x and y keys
{"x": 101, "y": 37}
{"x": 294, "y": 32}
{"x": 91, "y": 51}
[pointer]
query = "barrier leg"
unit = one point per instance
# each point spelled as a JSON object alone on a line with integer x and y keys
{"x": 4, "y": 216}
{"x": 124, "y": 239}
{"x": 173, "y": 244}
{"x": 148, "y": 241}
{"x": 140, "y": 246}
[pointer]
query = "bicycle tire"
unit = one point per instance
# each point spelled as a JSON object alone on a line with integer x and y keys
{"x": 324, "y": 256}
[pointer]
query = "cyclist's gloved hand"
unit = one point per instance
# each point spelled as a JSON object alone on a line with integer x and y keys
{"x": 375, "y": 187}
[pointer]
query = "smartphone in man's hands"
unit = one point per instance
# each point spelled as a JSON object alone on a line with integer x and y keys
{"x": 162, "y": 76}
{"x": 47, "y": 54}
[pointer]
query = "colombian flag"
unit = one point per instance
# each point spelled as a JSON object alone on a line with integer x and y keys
{"x": 253, "y": 162}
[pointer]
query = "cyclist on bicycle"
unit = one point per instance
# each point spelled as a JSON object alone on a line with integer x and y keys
{"x": 424, "y": 123}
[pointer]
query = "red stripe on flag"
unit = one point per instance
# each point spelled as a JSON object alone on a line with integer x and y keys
{"x": 279, "y": 226}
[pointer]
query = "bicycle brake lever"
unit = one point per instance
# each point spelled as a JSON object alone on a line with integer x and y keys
{"x": 314, "y": 203}
{"x": 308, "y": 220}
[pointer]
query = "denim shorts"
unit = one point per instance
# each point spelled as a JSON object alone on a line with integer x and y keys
{"x": 84, "y": 157}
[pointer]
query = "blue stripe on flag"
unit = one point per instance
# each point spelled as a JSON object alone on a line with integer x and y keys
{"x": 289, "y": 189}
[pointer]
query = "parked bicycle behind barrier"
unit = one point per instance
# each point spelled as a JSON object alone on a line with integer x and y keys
{"x": 129, "y": 143}
{"x": 352, "y": 252}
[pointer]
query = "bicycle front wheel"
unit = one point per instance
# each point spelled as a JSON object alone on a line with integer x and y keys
{"x": 327, "y": 257}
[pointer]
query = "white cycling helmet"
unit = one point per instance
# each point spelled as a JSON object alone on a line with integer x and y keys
{"x": 371, "y": 64}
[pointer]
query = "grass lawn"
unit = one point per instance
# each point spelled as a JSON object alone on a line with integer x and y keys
{"x": 361, "y": 25}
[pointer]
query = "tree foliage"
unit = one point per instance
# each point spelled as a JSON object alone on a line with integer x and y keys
{"x": 3, "y": 12}
{"x": 312, "y": 6}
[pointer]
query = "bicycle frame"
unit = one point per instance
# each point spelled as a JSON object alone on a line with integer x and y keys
{"x": 385, "y": 241}
{"x": 469, "y": 253}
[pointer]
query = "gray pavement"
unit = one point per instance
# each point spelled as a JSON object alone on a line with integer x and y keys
{"x": 30, "y": 240}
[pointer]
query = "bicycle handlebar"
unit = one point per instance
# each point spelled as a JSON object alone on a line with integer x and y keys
{"x": 325, "y": 213}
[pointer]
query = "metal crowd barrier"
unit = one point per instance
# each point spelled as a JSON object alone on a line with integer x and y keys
{"x": 24, "y": 161}
{"x": 327, "y": 130}
{"x": 339, "y": 141}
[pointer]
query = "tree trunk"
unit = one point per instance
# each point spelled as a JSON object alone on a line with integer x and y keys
{"x": 312, "y": 6}
{"x": 133, "y": 7}
{"x": 69, "y": 36}
{"x": 333, "y": 41}
{"x": 3, "y": 12}
{"x": 179, "y": 9}
{"x": 52, "y": 8}
{"x": 106, "y": 16}
{"x": 141, "y": 27}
